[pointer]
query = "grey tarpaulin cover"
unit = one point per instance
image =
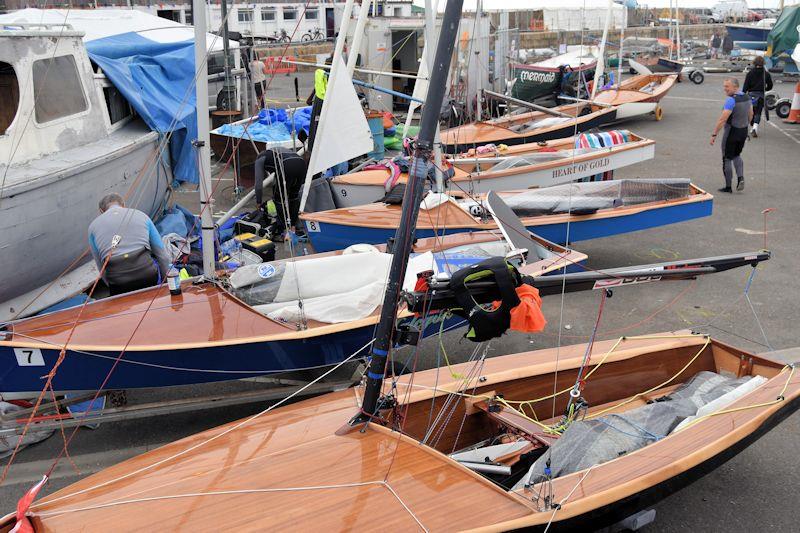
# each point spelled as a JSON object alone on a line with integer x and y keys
{"x": 591, "y": 442}
{"x": 591, "y": 196}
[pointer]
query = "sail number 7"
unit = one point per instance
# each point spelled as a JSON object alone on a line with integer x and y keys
{"x": 29, "y": 356}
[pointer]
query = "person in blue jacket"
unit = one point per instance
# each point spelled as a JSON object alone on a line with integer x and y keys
{"x": 129, "y": 240}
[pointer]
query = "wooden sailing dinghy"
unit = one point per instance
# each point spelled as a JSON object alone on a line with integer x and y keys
{"x": 515, "y": 167}
{"x": 208, "y": 333}
{"x": 578, "y": 211}
{"x": 534, "y": 126}
{"x": 638, "y": 95}
{"x": 292, "y": 469}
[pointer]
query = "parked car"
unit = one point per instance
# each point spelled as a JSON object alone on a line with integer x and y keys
{"x": 702, "y": 16}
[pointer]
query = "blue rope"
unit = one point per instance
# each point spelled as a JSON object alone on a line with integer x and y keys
{"x": 644, "y": 433}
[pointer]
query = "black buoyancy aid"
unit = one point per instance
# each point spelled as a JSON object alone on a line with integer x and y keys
{"x": 486, "y": 324}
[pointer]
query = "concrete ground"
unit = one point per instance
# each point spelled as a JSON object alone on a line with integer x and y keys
{"x": 753, "y": 491}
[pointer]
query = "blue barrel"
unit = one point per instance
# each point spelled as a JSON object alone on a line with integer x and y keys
{"x": 375, "y": 121}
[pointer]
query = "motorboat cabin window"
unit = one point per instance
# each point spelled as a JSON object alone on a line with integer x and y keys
{"x": 245, "y": 15}
{"x": 289, "y": 13}
{"x": 9, "y": 96}
{"x": 58, "y": 89}
{"x": 268, "y": 14}
{"x": 118, "y": 107}
{"x": 312, "y": 14}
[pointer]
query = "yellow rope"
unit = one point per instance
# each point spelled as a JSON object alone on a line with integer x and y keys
{"x": 570, "y": 417}
{"x": 779, "y": 399}
{"x": 561, "y": 426}
{"x": 648, "y": 391}
{"x": 454, "y": 375}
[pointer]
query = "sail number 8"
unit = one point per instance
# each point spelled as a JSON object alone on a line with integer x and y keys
{"x": 29, "y": 357}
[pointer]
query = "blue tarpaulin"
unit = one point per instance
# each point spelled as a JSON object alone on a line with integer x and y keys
{"x": 158, "y": 81}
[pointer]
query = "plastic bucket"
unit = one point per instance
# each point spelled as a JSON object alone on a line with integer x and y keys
{"x": 375, "y": 121}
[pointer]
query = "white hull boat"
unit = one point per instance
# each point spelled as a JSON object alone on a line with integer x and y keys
{"x": 68, "y": 138}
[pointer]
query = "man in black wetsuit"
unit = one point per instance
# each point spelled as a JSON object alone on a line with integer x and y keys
{"x": 737, "y": 112}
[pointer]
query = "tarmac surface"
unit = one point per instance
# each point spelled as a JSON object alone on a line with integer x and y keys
{"x": 754, "y": 491}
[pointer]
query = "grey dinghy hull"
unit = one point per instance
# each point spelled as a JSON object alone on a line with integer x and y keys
{"x": 46, "y": 211}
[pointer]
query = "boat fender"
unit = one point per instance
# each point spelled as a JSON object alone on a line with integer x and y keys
{"x": 486, "y": 323}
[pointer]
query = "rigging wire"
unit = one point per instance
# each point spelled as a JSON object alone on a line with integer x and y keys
{"x": 219, "y": 435}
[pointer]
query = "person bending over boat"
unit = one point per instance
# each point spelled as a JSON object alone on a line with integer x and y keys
{"x": 757, "y": 82}
{"x": 290, "y": 172}
{"x": 138, "y": 258}
{"x": 737, "y": 112}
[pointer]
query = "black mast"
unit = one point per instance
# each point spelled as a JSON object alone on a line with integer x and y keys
{"x": 412, "y": 197}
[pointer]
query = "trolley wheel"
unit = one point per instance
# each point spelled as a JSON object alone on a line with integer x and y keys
{"x": 697, "y": 77}
{"x": 770, "y": 101}
{"x": 659, "y": 112}
{"x": 783, "y": 108}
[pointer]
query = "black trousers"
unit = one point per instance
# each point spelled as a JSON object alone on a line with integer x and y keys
{"x": 131, "y": 271}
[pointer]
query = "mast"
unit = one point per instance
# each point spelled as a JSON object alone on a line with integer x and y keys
{"x": 227, "y": 87}
{"x": 598, "y": 73}
{"x": 479, "y": 45}
{"x": 677, "y": 31}
{"x": 403, "y": 239}
{"x": 203, "y": 137}
{"x": 619, "y": 54}
{"x": 358, "y": 35}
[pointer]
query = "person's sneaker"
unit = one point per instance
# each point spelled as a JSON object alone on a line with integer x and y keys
{"x": 754, "y": 132}
{"x": 740, "y": 184}
{"x": 725, "y": 189}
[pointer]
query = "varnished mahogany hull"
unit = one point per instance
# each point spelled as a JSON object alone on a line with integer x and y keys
{"x": 329, "y": 236}
{"x": 566, "y": 130}
{"x": 611, "y": 514}
{"x": 204, "y": 335}
{"x": 294, "y": 468}
{"x": 165, "y": 367}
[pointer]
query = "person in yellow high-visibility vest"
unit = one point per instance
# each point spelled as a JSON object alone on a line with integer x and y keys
{"x": 315, "y": 100}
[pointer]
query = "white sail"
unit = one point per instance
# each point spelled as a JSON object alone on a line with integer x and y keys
{"x": 420, "y": 90}
{"x": 343, "y": 132}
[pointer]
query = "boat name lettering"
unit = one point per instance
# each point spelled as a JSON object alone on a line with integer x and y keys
{"x": 416, "y": 322}
{"x": 599, "y": 165}
{"x": 537, "y": 77}
{"x": 266, "y": 271}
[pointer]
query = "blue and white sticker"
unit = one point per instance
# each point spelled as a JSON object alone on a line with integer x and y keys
{"x": 266, "y": 271}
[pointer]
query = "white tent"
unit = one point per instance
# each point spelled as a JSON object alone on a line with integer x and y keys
{"x": 100, "y": 23}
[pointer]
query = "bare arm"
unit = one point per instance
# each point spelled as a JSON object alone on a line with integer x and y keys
{"x": 723, "y": 118}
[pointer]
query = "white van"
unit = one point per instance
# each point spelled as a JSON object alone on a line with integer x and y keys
{"x": 729, "y": 10}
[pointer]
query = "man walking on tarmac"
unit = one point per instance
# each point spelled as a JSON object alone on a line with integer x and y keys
{"x": 734, "y": 121}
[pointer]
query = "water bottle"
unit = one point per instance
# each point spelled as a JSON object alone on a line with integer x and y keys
{"x": 174, "y": 281}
